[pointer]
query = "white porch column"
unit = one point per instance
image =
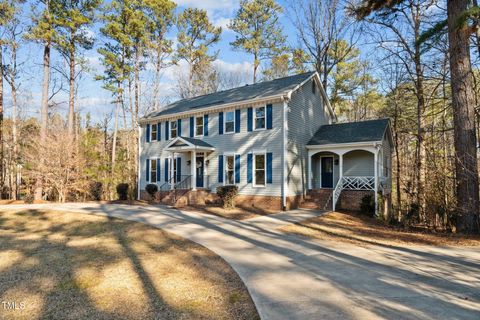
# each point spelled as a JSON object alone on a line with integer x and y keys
{"x": 375, "y": 179}
{"x": 309, "y": 172}
{"x": 193, "y": 169}
{"x": 340, "y": 169}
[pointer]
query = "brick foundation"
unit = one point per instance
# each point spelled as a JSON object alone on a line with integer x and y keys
{"x": 202, "y": 197}
{"x": 351, "y": 199}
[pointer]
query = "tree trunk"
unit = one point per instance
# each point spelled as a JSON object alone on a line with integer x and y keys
{"x": 14, "y": 136}
{"x": 71, "y": 98}
{"x": 255, "y": 67}
{"x": 43, "y": 114}
{"x": 463, "y": 102}
{"x": 2, "y": 169}
{"x": 137, "y": 85}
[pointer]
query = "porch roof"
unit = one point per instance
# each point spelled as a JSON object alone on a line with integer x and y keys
{"x": 188, "y": 144}
{"x": 350, "y": 132}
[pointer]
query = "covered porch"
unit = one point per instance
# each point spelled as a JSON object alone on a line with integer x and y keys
{"x": 187, "y": 164}
{"x": 350, "y": 156}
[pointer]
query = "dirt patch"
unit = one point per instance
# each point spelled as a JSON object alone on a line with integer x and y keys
{"x": 237, "y": 213}
{"x": 363, "y": 230}
{"x": 62, "y": 265}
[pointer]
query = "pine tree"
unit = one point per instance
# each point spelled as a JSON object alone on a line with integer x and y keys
{"x": 195, "y": 36}
{"x": 258, "y": 31}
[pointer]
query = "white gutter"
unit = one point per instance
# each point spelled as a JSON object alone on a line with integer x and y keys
{"x": 345, "y": 145}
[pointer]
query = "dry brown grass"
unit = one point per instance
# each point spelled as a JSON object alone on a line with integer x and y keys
{"x": 77, "y": 266}
{"x": 237, "y": 213}
{"x": 363, "y": 230}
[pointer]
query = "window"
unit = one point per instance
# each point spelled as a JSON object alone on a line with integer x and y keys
{"x": 199, "y": 126}
{"x": 230, "y": 169}
{"x": 259, "y": 118}
{"x": 314, "y": 87}
{"x": 259, "y": 170}
{"x": 153, "y": 134}
{"x": 153, "y": 170}
{"x": 173, "y": 129}
{"x": 230, "y": 122}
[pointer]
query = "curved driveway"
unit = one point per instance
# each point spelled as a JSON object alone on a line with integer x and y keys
{"x": 292, "y": 277}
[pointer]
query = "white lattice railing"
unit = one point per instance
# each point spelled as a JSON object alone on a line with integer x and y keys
{"x": 352, "y": 183}
{"x": 359, "y": 183}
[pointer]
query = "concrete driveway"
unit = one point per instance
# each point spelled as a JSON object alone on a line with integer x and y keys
{"x": 290, "y": 277}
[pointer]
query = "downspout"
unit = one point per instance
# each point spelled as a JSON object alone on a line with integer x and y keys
{"x": 284, "y": 151}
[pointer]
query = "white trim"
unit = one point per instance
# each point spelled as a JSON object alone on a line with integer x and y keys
{"x": 284, "y": 155}
{"x": 254, "y": 180}
{"x": 264, "y": 118}
{"x": 195, "y": 126}
{"x": 225, "y": 122}
{"x": 345, "y": 145}
{"x": 333, "y": 170}
{"x": 171, "y": 128}
{"x": 225, "y": 155}
{"x": 189, "y": 146}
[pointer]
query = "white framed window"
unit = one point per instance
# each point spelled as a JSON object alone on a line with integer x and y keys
{"x": 259, "y": 170}
{"x": 153, "y": 133}
{"x": 260, "y": 118}
{"x": 153, "y": 170}
{"x": 173, "y": 129}
{"x": 199, "y": 126}
{"x": 229, "y": 169}
{"x": 229, "y": 122}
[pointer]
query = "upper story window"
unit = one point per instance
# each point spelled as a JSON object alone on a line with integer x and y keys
{"x": 173, "y": 129}
{"x": 230, "y": 122}
{"x": 259, "y": 118}
{"x": 199, "y": 126}
{"x": 314, "y": 86}
{"x": 230, "y": 170}
{"x": 259, "y": 170}
{"x": 153, "y": 133}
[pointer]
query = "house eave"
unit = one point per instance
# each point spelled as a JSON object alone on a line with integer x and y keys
{"x": 219, "y": 107}
{"x": 345, "y": 145}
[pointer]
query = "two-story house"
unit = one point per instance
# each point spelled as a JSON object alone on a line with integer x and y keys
{"x": 276, "y": 140}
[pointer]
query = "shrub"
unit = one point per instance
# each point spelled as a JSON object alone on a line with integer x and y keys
{"x": 151, "y": 189}
{"x": 95, "y": 190}
{"x": 122, "y": 191}
{"x": 227, "y": 194}
{"x": 367, "y": 206}
{"x": 28, "y": 198}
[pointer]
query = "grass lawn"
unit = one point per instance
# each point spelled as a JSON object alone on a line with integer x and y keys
{"x": 363, "y": 230}
{"x": 59, "y": 265}
{"x": 237, "y": 213}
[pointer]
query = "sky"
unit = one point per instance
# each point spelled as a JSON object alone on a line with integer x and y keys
{"x": 91, "y": 98}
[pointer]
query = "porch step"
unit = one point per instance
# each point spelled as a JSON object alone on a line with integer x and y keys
{"x": 318, "y": 199}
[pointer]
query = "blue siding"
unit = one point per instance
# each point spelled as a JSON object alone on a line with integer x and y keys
{"x": 237, "y": 121}
{"x": 192, "y": 126}
{"x": 205, "y": 125}
{"x": 250, "y": 119}
{"x": 220, "y": 123}
{"x": 269, "y": 167}
{"x": 220, "y": 169}
{"x": 269, "y": 116}
{"x": 237, "y": 168}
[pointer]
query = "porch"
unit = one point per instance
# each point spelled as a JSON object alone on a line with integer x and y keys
{"x": 187, "y": 165}
{"x": 342, "y": 167}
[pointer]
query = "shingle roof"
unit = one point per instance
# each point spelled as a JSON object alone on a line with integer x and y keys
{"x": 363, "y": 131}
{"x": 247, "y": 92}
{"x": 197, "y": 142}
